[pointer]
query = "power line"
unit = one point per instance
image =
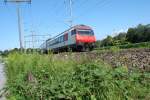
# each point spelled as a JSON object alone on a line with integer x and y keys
{"x": 87, "y": 10}
{"x": 58, "y": 8}
{"x": 99, "y": 4}
{"x": 69, "y": 7}
{"x": 33, "y": 37}
{"x": 83, "y": 2}
{"x": 35, "y": 41}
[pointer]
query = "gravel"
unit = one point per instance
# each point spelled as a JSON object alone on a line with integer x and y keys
{"x": 132, "y": 58}
{"x": 2, "y": 79}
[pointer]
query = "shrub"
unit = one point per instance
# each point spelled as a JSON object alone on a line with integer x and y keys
{"x": 42, "y": 77}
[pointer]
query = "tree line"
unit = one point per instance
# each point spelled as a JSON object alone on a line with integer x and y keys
{"x": 28, "y": 51}
{"x": 140, "y": 33}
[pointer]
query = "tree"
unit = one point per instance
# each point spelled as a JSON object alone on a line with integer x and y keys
{"x": 107, "y": 42}
{"x": 139, "y": 34}
{"x": 120, "y": 36}
{"x": 120, "y": 39}
{"x": 1, "y": 52}
{"x": 147, "y": 31}
{"x": 98, "y": 44}
{"x": 131, "y": 36}
{"x": 5, "y": 53}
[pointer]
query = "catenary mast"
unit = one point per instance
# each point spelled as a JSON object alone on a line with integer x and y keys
{"x": 17, "y": 2}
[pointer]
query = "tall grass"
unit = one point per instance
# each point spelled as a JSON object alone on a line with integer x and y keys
{"x": 45, "y": 77}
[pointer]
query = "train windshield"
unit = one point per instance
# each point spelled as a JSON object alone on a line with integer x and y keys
{"x": 86, "y": 32}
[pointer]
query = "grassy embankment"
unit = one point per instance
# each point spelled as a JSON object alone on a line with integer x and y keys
{"x": 126, "y": 46}
{"x": 44, "y": 77}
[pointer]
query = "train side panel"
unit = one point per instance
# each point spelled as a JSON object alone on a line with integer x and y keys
{"x": 71, "y": 39}
{"x": 65, "y": 43}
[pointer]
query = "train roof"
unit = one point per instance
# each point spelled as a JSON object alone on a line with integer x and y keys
{"x": 81, "y": 26}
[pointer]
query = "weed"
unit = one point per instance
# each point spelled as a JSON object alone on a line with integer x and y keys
{"x": 44, "y": 77}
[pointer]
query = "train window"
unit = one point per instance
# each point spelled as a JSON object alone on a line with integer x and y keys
{"x": 85, "y": 32}
{"x": 54, "y": 41}
{"x": 73, "y": 32}
{"x": 61, "y": 38}
{"x": 58, "y": 40}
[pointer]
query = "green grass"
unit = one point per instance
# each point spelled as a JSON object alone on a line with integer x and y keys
{"x": 126, "y": 46}
{"x": 46, "y": 77}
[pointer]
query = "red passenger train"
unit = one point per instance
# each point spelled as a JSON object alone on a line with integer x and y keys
{"x": 77, "y": 38}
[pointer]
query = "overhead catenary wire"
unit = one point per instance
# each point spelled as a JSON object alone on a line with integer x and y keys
{"x": 56, "y": 8}
{"x": 31, "y": 29}
{"x": 99, "y": 4}
{"x": 80, "y": 5}
{"x": 34, "y": 36}
{"x": 56, "y": 13}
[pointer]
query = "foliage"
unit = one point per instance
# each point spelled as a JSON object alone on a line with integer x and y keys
{"x": 43, "y": 77}
{"x": 107, "y": 41}
{"x": 139, "y": 34}
{"x": 1, "y": 52}
{"x": 5, "y": 53}
{"x": 120, "y": 39}
{"x": 98, "y": 44}
{"x": 125, "y": 46}
{"x": 114, "y": 49}
{"x": 135, "y": 45}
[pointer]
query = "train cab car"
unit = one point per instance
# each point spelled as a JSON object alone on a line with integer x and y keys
{"x": 84, "y": 37}
{"x": 77, "y": 38}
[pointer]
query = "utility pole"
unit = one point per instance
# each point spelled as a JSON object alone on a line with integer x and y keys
{"x": 69, "y": 4}
{"x": 20, "y": 28}
{"x": 71, "y": 14}
{"x": 32, "y": 39}
{"x": 19, "y": 18}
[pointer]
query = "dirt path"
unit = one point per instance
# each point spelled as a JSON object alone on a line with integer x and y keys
{"x": 2, "y": 79}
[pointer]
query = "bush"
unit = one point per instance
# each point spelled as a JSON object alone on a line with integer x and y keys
{"x": 42, "y": 77}
{"x": 126, "y": 46}
{"x": 136, "y": 45}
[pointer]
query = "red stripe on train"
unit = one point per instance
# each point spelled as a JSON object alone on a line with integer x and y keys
{"x": 85, "y": 39}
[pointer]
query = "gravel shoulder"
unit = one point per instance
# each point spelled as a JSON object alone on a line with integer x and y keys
{"x": 132, "y": 58}
{"x": 2, "y": 79}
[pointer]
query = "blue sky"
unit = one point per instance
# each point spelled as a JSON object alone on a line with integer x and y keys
{"x": 50, "y": 17}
